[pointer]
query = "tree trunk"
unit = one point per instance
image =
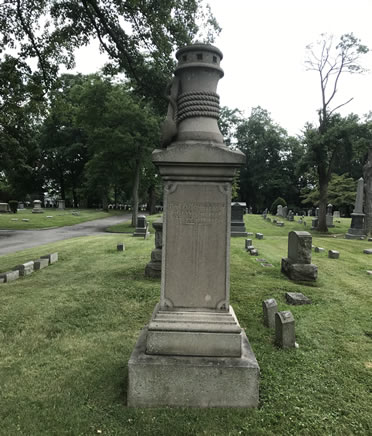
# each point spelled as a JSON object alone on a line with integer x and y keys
{"x": 62, "y": 186}
{"x": 105, "y": 202}
{"x": 135, "y": 200}
{"x": 323, "y": 197}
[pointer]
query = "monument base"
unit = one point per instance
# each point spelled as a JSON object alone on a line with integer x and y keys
{"x": 182, "y": 381}
{"x": 307, "y": 272}
{"x": 141, "y": 233}
{"x": 37, "y": 211}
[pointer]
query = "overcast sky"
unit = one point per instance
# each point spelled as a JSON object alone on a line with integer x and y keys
{"x": 263, "y": 42}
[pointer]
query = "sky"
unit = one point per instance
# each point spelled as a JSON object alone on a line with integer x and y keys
{"x": 264, "y": 46}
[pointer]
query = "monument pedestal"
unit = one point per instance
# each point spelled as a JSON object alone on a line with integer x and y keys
{"x": 184, "y": 381}
{"x": 356, "y": 230}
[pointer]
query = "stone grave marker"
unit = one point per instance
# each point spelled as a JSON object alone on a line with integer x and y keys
{"x": 367, "y": 175}
{"x": 40, "y": 263}
{"x": 25, "y": 268}
{"x": 367, "y": 251}
{"x": 297, "y": 298}
{"x": 120, "y": 246}
{"x": 61, "y": 204}
{"x": 141, "y": 227}
{"x": 285, "y": 211}
{"x": 52, "y": 257}
{"x": 333, "y": 254}
{"x": 297, "y": 266}
{"x": 279, "y": 210}
{"x": 318, "y": 249}
{"x": 357, "y": 228}
{"x": 4, "y": 208}
{"x": 194, "y": 352}
{"x": 153, "y": 268}
{"x": 270, "y": 308}
{"x": 285, "y": 336}
{"x": 248, "y": 243}
{"x": 237, "y": 220}
{"x": 37, "y": 207}
{"x": 259, "y": 236}
{"x": 9, "y": 276}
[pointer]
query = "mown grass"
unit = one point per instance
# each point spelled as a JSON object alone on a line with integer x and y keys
{"x": 67, "y": 332}
{"x": 128, "y": 228}
{"x": 59, "y": 218}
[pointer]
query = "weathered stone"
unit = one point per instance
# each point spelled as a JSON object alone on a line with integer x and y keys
{"x": 37, "y": 207}
{"x": 299, "y": 271}
{"x": 250, "y": 248}
{"x": 26, "y": 220}
{"x": 333, "y": 254}
{"x": 279, "y": 210}
{"x": 259, "y": 235}
{"x": 299, "y": 247}
{"x": 9, "y": 276}
{"x": 248, "y": 243}
{"x": 25, "y": 268}
{"x": 369, "y": 273}
{"x": 40, "y": 263}
{"x": 52, "y": 257}
{"x": 367, "y": 174}
{"x": 61, "y": 204}
{"x": 314, "y": 223}
{"x": 285, "y": 336}
{"x": 192, "y": 381}
{"x": 4, "y": 208}
{"x": 141, "y": 227}
{"x": 120, "y": 246}
{"x": 296, "y": 298}
{"x": 280, "y": 224}
{"x": 153, "y": 268}
{"x": 237, "y": 219}
{"x": 285, "y": 211}
{"x": 357, "y": 228}
{"x": 318, "y": 249}
{"x": 336, "y": 214}
{"x": 254, "y": 252}
{"x": 266, "y": 264}
{"x": 269, "y": 307}
{"x": 367, "y": 251}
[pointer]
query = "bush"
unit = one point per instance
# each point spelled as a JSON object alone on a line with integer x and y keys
{"x": 276, "y": 203}
{"x": 13, "y": 204}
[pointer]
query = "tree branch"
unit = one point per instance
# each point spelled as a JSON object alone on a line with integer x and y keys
{"x": 340, "y": 105}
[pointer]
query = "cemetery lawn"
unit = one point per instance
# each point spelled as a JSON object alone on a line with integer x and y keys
{"x": 67, "y": 332}
{"x": 59, "y": 218}
{"x": 128, "y": 228}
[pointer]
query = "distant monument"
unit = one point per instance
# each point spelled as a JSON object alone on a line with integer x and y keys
{"x": 194, "y": 352}
{"x": 237, "y": 219}
{"x": 367, "y": 174}
{"x": 357, "y": 229}
{"x": 37, "y": 207}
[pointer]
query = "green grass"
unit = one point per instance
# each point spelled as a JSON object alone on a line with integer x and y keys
{"x": 40, "y": 220}
{"x": 128, "y": 228}
{"x": 67, "y": 331}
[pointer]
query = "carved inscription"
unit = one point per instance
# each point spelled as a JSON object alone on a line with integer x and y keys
{"x": 197, "y": 213}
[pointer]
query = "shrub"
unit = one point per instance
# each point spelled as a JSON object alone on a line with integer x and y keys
{"x": 276, "y": 203}
{"x": 13, "y": 204}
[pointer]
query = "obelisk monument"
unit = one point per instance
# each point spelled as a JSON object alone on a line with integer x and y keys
{"x": 194, "y": 353}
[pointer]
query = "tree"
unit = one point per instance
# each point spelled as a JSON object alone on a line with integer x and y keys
{"x": 330, "y": 62}
{"x": 138, "y": 36}
{"x": 271, "y": 157}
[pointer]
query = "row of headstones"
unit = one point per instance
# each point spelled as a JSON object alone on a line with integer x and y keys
{"x": 28, "y": 268}
{"x": 283, "y": 322}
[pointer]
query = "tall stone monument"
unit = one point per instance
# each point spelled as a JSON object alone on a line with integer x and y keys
{"x": 237, "y": 219}
{"x": 357, "y": 229}
{"x": 367, "y": 174}
{"x": 194, "y": 352}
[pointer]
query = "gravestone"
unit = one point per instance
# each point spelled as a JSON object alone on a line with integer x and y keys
{"x": 4, "y": 208}
{"x": 40, "y": 263}
{"x": 285, "y": 211}
{"x": 333, "y": 254}
{"x": 52, "y": 257}
{"x": 367, "y": 174}
{"x": 336, "y": 214}
{"x": 194, "y": 352}
{"x": 270, "y": 308}
{"x": 253, "y": 252}
{"x": 25, "y": 268}
{"x": 285, "y": 336}
{"x": 61, "y": 204}
{"x": 141, "y": 227}
{"x": 153, "y": 268}
{"x": 317, "y": 212}
{"x": 21, "y": 205}
{"x": 367, "y": 251}
{"x": 279, "y": 210}
{"x": 237, "y": 220}
{"x": 297, "y": 298}
{"x": 248, "y": 243}
{"x": 37, "y": 207}
{"x": 318, "y": 249}
{"x": 9, "y": 276}
{"x": 297, "y": 266}
{"x": 280, "y": 224}
{"x": 259, "y": 236}
{"x": 290, "y": 216}
{"x": 120, "y": 246}
{"x": 357, "y": 228}
{"x": 314, "y": 223}
{"x": 329, "y": 216}
{"x": 309, "y": 212}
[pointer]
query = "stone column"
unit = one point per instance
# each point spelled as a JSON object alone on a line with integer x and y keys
{"x": 194, "y": 352}
{"x": 367, "y": 174}
{"x": 329, "y": 216}
{"x": 357, "y": 229}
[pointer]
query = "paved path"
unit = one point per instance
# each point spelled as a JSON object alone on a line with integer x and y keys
{"x": 15, "y": 240}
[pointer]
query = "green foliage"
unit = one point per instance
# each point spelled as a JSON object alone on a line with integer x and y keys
{"x": 276, "y": 203}
{"x": 271, "y": 160}
{"x": 13, "y": 205}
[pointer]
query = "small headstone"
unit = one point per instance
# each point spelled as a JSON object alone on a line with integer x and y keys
{"x": 74, "y": 213}
{"x": 266, "y": 264}
{"x": 49, "y": 216}
{"x": 14, "y": 219}
{"x": 285, "y": 336}
{"x": 4, "y": 207}
{"x": 248, "y": 243}
{"x": 250, "y": 248}
{"x": 318, "y": 249}
{"x": 336, "y": 214}
{"x": 2, "y": 279}
{"x": 53, "y": 257}
{"x": 120, "y": 246}
{"x": 369, "y": 273}
{"x": 297, "y": 298}
{"x": 280, "y": 224}
{"x": 26, "y": 220}
{"x": 141, "y": 227}
{"x": 367, "y": 251}
{"x": 254, "y": 252}
{"x": 40, "y": 263}
{"x": 249, "y": 234}
{"x": 37, "y": 207}
{"x": 333, "y": 254}
{"x": 237, "y": 219}
{"x": 10, "y": 276}
{"x": 259, "y": 235}
{"x": 25, "y": 268}
{"x": 369, "y": 239}
{"x": 270, "y": 308}
{"x": 153, "y": 268}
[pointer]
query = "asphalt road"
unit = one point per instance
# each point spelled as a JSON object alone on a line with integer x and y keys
{"x": 15, "y": 240}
